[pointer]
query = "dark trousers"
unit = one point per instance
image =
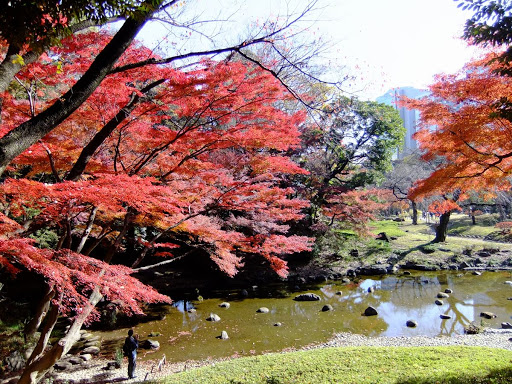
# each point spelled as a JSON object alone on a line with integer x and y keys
{"x": 131, "y": 364}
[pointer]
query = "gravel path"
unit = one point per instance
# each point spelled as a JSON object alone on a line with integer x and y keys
{"x": 95, "y": 372}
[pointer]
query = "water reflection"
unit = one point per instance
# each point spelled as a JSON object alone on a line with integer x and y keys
{"x": 187, "y": 335}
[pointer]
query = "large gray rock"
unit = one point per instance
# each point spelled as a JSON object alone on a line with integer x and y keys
{"x": 307, "y": 297}
{"x": 370, "y": 311}
{"x": 506, "y": 325}
{"x": 15, "y": 361}
{"x": 90, "y": 350}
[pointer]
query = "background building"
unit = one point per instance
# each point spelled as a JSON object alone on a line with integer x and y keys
{"x": 409, "y": 116}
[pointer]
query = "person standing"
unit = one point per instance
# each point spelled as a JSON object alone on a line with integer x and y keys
{"x": 130, "y": 346}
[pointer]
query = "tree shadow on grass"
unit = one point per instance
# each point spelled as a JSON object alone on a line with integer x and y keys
{"x": 496, "y": 376}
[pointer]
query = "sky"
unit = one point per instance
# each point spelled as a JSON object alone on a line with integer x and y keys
{"x": 384, "y": 43}
{"x": 400, "y": 42}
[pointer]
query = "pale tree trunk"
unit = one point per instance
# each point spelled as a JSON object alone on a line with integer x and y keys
{"x": 35, "y": 371}
{"x": 41, "y": 310}
{"x": 49, "y": 324}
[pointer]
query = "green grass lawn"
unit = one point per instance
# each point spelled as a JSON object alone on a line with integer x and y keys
{"x": 359, "y": 366}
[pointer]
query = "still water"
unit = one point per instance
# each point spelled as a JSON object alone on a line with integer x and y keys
{"x": 185, "y": 335}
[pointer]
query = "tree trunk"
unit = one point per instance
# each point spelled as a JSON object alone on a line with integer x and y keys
{"x": 41, "y": 310}
{"x": 442, "y": 228}
{"x": 28, "y": 133}
{"x": 49, "y": 324}
{"x": 414, "y": 212}
{"x": 35, "y": 371}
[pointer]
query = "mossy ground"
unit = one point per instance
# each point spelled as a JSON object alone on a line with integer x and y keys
{"x": 361, "y": 365}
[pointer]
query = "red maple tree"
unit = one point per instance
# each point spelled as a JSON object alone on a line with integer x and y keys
{"x": 197, "y": 156}
{"x": 466, "y": 130}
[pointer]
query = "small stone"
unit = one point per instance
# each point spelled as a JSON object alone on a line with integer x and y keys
{"x": 411, "y": 323}
{"x": 151, "y": 344}
{"x": 213, "y": 317}
{"x": 223, "y": 335}
{"x": 95, "y": 343}
{"x": 75, "y": 360}
{"x": 506, "y": 325}
{"x": 339, "y": 293}
{"x": 487, "y": 315}
{"x": 508, "y": 282}
{"x": 192, "y": 310}
{"x": 224, "y": 305}
{"x": 439, "y": 302}
{"x": 277, "y": 324}
{"x": 407, "y": 273}
{"x": 448, "y": 290}
{"x": 370, "y": 311}
{"x": 476, "y": 273}
{"x": 442, "y": 295}
{"x": 91, "y": 350}
{"x": 327, "y": 308}
{"x": 85, "y": 336}
{"x": 371, "y": 289}
{"x": 263, "y": 310}
{"x": 154, "y": 334}
{"x": 62, "y": 365}
{"x": 345, "y": 280}
{"x": 86, "y": 357}
{"x": 445, "y": 317}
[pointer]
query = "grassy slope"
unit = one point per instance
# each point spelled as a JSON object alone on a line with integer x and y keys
{"x": 361, "y": 365}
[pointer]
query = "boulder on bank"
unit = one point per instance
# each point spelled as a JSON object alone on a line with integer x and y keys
{"x": 151, "y": 344}
{"x": 307, "y": 297}
{"x": 263, "y": 310}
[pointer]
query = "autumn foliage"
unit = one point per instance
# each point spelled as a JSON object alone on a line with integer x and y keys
{"x": 158, "y": 157}
{"x": 462, "y": 123}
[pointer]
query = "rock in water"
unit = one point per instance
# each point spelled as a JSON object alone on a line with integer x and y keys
{"x": 307, "y": 297}
{"x": 213, "y": 317}
{"x": 370, "y": 311}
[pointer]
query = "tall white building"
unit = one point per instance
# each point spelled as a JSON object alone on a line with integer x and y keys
{"x": 409, "y": 116}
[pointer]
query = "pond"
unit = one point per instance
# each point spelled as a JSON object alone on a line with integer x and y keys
{"x": 185, "y": 334}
